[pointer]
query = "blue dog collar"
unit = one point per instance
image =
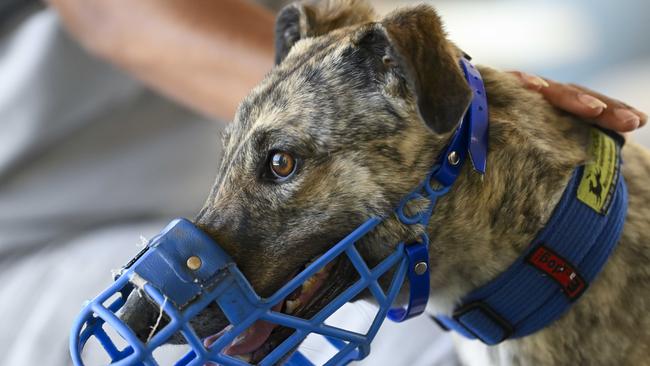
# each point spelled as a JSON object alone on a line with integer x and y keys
{"x": 183, "y": 271}
{"x": 560, "y": 263}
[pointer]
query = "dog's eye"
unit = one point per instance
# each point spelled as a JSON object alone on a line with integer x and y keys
{"x": 282, "y": 164}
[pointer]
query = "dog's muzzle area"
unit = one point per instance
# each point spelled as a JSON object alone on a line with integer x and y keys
{"x": 184, "y": 289}
{"x": 144, "y": 317}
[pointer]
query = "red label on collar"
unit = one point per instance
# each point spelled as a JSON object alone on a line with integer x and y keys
{"x": 559, "y": 270}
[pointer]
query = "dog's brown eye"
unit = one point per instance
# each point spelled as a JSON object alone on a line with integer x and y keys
{"x": 282, "y": 164}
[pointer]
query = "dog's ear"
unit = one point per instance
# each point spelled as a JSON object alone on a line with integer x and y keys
{"x": 418, "y": 47}
{"x": 301, "y": 20}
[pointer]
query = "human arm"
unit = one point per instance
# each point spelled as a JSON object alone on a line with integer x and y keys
{"x": 208, "y": 54}
{"x": 205, "y": 54}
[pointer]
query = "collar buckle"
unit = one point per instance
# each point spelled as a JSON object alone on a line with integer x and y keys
{"x": 497, "y": 329}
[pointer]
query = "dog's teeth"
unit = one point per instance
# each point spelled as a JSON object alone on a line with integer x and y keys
{"x": 309, "y": 283}
{"x": 292, "y": 305}
{"x": 246, "y": 357}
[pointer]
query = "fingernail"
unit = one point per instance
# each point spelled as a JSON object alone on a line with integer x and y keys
{"x": 591, "y": 102}
{"x": 643, "y": 116}
{"x": 535, "y": 80}
{"x": 630, "y": 119}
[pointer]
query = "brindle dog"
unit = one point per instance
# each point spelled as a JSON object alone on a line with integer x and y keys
{"x": 352, "y": 118}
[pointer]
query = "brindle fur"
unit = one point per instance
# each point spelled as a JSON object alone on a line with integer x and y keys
{"x": 367, "y": 106}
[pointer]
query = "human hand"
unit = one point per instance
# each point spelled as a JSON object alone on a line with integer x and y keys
{"x": 585, "y": 103}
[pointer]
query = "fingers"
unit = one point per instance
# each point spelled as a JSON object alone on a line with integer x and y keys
{"x": 574, "y": 101}
{"x": 565, "y": 97}
{"x": 618, "y": 116}
{"x": 531, "y": 81}
{"x": 587, "y": 104}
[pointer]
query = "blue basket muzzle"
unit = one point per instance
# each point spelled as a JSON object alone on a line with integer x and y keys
{"x": 182, "y": 271}
{"x": 167, "y": 272}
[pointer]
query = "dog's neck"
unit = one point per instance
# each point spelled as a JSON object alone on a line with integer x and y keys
{"x": 486, "y": 222}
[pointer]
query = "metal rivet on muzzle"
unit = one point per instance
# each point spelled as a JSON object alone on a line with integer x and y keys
{"x": 193, "y": 263}
{"x": 453, "y": 158}
{"x": 420, "y": 268}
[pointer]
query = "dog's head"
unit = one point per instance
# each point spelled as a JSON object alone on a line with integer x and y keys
{"x": 349, "y": 120}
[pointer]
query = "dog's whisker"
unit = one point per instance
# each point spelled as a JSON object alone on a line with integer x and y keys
{"x": 154, "y": 328}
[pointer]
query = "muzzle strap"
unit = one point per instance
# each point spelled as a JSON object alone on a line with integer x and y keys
{"x": 418, "y": 277}
{"x": 469, "y": 139}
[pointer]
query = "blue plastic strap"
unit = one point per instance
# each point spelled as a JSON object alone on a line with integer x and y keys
{"x": 478, "y": 115}
{"x": 179, "y": 283}
{"x": 471, "y": 137}
{"x": 298, "y": 359}
{"x": 418, "y": 257}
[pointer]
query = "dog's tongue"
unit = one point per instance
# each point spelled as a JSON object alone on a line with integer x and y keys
{"x": 250, "y": 340}
{"x": 254, "y": 337}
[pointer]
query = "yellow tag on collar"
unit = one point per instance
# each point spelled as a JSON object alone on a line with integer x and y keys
{"x": 600, "y": 173}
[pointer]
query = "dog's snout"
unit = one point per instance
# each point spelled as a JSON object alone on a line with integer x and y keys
{"x": 142, "y": 316}
{"x": 146, "y": 319}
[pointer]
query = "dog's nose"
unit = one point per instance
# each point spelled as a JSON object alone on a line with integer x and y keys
{"x": 142, "y": 316}
{"x": 146, "y": 319}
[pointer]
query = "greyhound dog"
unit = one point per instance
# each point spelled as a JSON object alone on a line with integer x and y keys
{"x": 351, "y": 118}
